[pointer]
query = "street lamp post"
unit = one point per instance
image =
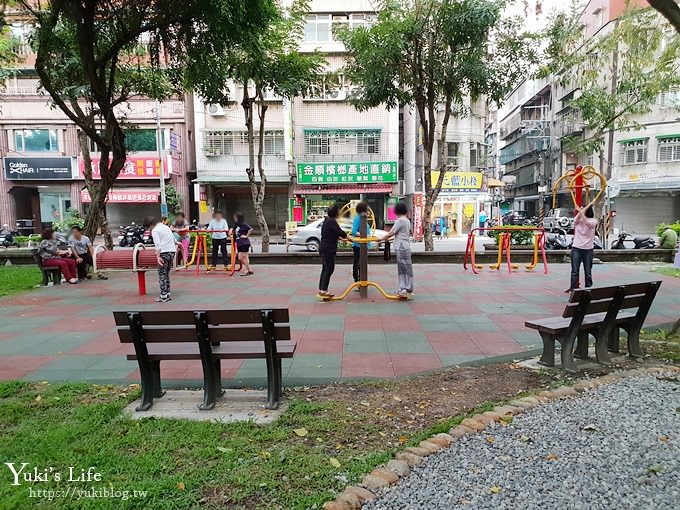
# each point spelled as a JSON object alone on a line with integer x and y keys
{"x": 159, "y": 144}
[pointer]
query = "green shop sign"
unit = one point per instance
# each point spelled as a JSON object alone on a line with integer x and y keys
{"x": 338, "y": 173}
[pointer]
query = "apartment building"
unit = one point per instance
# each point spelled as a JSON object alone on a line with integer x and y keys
{"x": 319, "y": 149}
{"x": 42, "y": 176}
{"x": 642, "y": 165}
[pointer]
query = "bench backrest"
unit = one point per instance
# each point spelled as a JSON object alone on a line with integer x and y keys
{"x": 222, "y": 325}
{"x": 613, "y": 299}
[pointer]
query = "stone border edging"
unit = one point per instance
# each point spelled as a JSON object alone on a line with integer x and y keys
{"x": 353, "y": 497}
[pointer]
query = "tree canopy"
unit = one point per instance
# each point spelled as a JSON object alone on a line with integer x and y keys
{"x": 619, "y": 75}
{"x": 94, "y": 56}
{"x": 437, "y": 55}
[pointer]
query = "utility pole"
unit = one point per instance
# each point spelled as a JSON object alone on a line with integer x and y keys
{"x": 159, "y": 145}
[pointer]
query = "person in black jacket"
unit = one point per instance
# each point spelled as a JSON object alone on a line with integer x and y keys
{"x": 328, "y": 248}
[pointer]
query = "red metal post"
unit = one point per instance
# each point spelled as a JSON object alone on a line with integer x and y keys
{"x": 578, "y": 185}
{"x": 141, "y": 282}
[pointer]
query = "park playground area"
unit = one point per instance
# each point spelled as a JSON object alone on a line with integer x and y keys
{"x": 67, "y": 333}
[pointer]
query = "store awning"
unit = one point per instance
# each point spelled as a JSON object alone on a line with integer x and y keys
{"x": 494, "y": 183}
{"x": 668, "y": 137}
{"x": 631, "y": 140}
{"x": 347, "y": 189}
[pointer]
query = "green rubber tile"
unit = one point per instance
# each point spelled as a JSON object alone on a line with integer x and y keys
{"x": 394, "y": 309}
{"x": 18, "y": 324}
{"x": 471, "y": 318}
{"x": 527, "y": 337}
{"x": 479, "y": 326}
{"x": 408, "y": 342}
{"x": 365, "y": 341}
{"x": 449, "y": 360}
{"x": 441, "y": 326}
{"x": 315, "y": 366}
{"x": 363, "y": 309}
{"x": 257, "y": 369}
{"x": 436, "y": 317}
{"x": 326, "y": 322}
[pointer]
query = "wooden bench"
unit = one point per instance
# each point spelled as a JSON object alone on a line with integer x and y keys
{"x": 601, "y": 312}
{"x": 48, "y": 273}
{"x": 210, "y": 336}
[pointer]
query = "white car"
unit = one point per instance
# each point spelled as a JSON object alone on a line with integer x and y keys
{"x": 310, "y": 235}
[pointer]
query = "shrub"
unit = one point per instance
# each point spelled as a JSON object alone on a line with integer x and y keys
{"x": 72, "y": 219}
{"x": 518, "y": 237}
{"x": 662, "y": 226}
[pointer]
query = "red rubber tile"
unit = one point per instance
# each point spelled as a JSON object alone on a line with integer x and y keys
{"x": 400, "y": 323}
{"x": 452, "y": 343}
{"x": 367, "y": 365}
{"x": 405, "y": 364}
{"x": 16, "y": 367}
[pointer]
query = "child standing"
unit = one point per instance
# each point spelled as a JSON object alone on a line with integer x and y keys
{"x": 220, "y": 228}
{"x": 181, "y": 227}
{"x": 361, "y": 208}
{"x": 166, "y": 248}
{"x": 241, "y": 232}
{"x": 328, "y": 248}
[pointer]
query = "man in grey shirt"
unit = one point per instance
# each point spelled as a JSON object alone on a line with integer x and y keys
{"x": 83, "y": 252}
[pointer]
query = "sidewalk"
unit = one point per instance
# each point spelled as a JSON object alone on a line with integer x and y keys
{"x": 67, "y": 333}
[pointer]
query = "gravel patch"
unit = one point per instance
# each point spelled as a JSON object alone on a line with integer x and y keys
{"x": 617, "y": 447}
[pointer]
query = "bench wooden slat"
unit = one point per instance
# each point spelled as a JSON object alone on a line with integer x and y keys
{"x": 557, "y": 325}
{"x": 183, "y": 317}
{"x": 217, "y": 334}
{"x": 603, "y": 305}
{"x": 237, "y": 350}
{"x": 598, "y": 293}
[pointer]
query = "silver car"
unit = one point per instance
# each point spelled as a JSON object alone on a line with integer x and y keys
{"x": 560, "y": 217}
{"x": 310, "y": 235}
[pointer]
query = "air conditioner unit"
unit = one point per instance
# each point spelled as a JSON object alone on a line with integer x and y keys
{"x": 215, "y": 110}
{"x": 336, "y": 94}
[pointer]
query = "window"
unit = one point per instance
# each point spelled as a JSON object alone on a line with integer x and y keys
{"x": 668, "y": 149}
{"x": 342, "y": 141}
{"x": 316, "y": 143}
{"x": 36, "y": 140}
{"x": 474, "y": 155}
{"x": 273, "y": 143}
{"x": 634, "y": 152}
{"x": 452, "y": 149}
{"x": 670, "y": 98}
{"x": 140, "y": 140}
{"x": 318, "y": 28}
{"x": 218, "y": 143}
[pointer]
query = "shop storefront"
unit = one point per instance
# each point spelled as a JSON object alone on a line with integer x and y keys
{"x": 137, "y": 191}
{"x": 320, "y": 185}
{"x": 463, "y": 195}
{"x": 42, "y": 190}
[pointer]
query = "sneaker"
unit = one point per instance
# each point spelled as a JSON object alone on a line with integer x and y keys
{"x": 162, "y": 299}
{"x": 101, "y": 276}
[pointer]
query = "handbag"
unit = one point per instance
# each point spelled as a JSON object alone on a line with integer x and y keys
{"x": 387, "y": 253}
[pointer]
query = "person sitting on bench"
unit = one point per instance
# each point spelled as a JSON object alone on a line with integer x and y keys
{"x": 52, "y": 256}
{"x": 83, "y": 253}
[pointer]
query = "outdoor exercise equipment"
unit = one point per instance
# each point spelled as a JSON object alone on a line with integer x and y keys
{"x": 581, "y": 181}
{"x": 364, "y": 283}
{"x": 504, "y": 243}
{"x": 348, "y": 210}
{"x": 139, "y": 260}
{"x": 200, "y": 251}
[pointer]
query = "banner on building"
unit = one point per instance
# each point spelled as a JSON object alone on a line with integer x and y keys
{"x": 126, "y": 196}
{"x": 40, "y": 169}
{"x": 417, "y": 215}
{"x": 459, "y": 181}
{"x": 135, "y": 167}
{"x": 350, "y": 172}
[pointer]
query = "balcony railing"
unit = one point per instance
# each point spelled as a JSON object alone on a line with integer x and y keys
{"x": 330, "y": 158}
{"x": 12, "y": 90}
{"x": 226, "y": 168}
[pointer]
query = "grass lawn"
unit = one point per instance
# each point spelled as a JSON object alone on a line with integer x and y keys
{"x": 328, "y": 437}
{"x": 16, "y": 279}
{"x": 668, "y": 271}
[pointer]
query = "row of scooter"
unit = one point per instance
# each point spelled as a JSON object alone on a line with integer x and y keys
{"x": 558, "y": 240}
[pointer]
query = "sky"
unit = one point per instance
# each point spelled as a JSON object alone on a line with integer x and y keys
{"x": 534, "y": 21}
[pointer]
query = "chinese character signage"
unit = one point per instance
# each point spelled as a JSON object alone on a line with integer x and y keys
{"x": 417, "y": 215}
{"x": 459, "y": 181}
{"x": 32, "y": 169}
{"x": 339, "y": 173}
{"x": 134, "y": 168}
{"x": 126, "y": 196}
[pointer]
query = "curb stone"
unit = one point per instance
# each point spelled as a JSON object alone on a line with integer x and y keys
{"x": 381, "y": 478}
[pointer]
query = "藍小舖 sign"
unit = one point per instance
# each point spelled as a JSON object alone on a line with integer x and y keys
{"x": 459, "y": 181}
{"x": 39, "y": 169}
{"x": 339, "y": 173}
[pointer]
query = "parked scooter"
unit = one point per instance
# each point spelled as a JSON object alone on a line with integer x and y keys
{"x": 558, "y": 240}
{"x": 639, "y": 242}
{"x": 7, "y": 238}
{"x": 131, "y": 235}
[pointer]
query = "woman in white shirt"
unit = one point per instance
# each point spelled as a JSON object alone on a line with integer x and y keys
{"x": 400, "y": 232}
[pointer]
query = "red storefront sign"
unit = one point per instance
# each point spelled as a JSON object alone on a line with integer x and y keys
{"x": 126, "y": 196}
{"x": 135, "y": 168}
{"x": 418, "y": 203}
